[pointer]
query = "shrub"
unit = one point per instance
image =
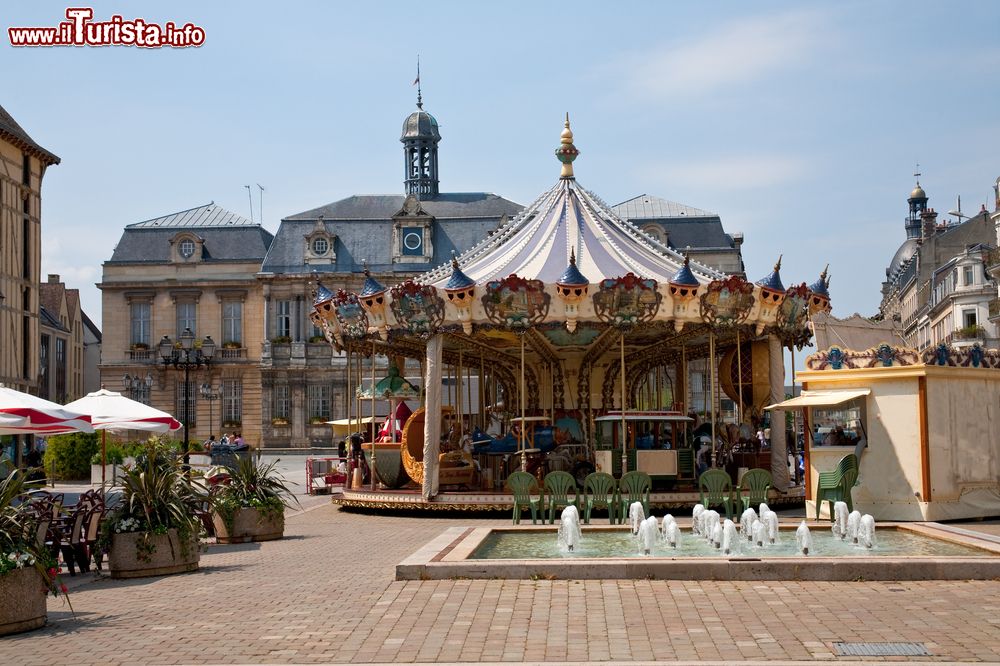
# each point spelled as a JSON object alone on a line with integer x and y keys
{"x": 68, "y": 456}
{"x": 114, "y": 454}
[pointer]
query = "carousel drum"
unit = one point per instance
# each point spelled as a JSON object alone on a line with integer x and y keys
{"x": 388, "y": 464}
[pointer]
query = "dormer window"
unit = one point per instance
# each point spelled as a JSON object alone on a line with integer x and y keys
{"x": 412, "y": 233}
{"x": 187, "y": 248}
{"x": 320, "y": 245}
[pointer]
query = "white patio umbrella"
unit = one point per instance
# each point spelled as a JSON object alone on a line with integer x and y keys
{"x": 113, "y": 411}
{"x": 23, "y": 414}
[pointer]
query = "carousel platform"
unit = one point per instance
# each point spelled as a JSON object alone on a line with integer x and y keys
{"x": 485, "y": 501}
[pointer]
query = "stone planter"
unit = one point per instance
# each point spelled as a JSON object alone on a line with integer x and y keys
{"x": 112, "y": 474}
{"x": 167, "y": 556}
{"x": 22, "y": 601}
{"x": 250, "y": 525}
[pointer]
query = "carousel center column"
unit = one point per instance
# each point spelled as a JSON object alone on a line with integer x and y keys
{"x": 432, "y": 416}
{"x": 779, "y": 455}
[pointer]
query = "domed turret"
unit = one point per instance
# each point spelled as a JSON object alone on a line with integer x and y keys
{"x": 572, "y": 288}
{"x": 771, "y": 288}
{"x": 819, "y": 298}
{"x": 420, "y": 139}
{"x": 372, "y": 298}
{"x": 461, "y": 291}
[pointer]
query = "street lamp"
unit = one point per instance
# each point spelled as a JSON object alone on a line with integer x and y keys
{"x": 137, "y": 386}
{"x": 208, "y": 394}
{"x": 185, "y": 355}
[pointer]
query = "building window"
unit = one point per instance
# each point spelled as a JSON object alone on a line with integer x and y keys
{"x": 969, "y": 318}
{"x": 283, "y": 320}
{"x": 140, "y": 323}
{"x": 192, "y": 405}
{"x": 232, "y": 321}
{"x": 967, "y": 278}
{"x": 320, "y": 246}
{"x": 232, "y": 402}
{"x": 43, "y": 364}
{"x": 187, "y": 248}
{"x": 187, "y": 317}
{"x": 319, "y": 402}
{"x": 282, "y": 401}
{"x": 60, "y": 370}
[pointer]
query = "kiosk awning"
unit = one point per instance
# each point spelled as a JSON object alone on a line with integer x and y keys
{"x": 821, "y": 398}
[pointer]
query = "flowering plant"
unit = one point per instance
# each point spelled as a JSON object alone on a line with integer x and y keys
{"x": 19, "y": 548}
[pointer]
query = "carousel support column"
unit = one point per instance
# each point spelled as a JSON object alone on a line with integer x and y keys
{"x": 523, "y": 432}
{"x": 432, "y": 416}
{"x": 458, "y": 396}
{"x": 371, "y": 426}
{"x": 739, "y": 379}
{"x": 779, "y": 457}
{"x": 711, "y": 376}
{"x": 481, "y": 392}
{"x": 682, "y": 390}
{"x": 621, "y": 371}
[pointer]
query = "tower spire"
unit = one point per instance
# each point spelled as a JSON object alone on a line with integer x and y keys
{"x": 566, "y": 152}
{"x": 416, "y": 82}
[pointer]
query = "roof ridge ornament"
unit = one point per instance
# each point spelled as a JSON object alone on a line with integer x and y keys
{"x": 566, "y": 152}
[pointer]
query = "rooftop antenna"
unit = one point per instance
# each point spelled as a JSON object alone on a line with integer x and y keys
{"x": 958, "y": 213}
{"x": 260, "y": 209}
{"x": 250, "y": 199}
{"x": 416, "y": 82}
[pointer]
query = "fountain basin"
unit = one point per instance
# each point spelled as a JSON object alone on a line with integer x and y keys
{"x": 958, "y": 555}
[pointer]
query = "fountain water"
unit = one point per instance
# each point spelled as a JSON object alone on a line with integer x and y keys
{"x": 746, "y": 522}
{"x": 758, "y": 531}
{"x": 839, "y": 519}
{"x": 648, "y": 533}
{"x": 635, "y": 516}
{"x": 569, "y": 529}
{"x": 866, "y": 531}
{"x": 716, "y": 539}
{"x": 696, "y": 514}
{"x": 728, "y": 536}
{"x": 673, "y": 535}
{"x": 667, "y": 521}
{"x": 771, "y": 522}
{"x": 710, "y": 520}
{"x": 853, "y": 523}
{"x": 803, "y": 538}
{"x": 762, "y": 509}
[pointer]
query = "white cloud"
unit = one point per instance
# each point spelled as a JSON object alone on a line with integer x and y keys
{"x": 734, "y": 172}
{"x": 737, "y": 53}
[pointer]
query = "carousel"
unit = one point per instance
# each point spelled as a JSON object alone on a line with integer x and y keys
{"x": 567, "y": 339}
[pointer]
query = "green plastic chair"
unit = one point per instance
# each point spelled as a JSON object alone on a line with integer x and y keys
{"x": 715, "y": 488}
{"x": 557, "y": 486}
{"x": 633, "y": 487}
{"x": 755, "y": 483}
{"x": 523, "y": 485}
{"x": 599, "y": 491}
{"x": 835, "y": 485}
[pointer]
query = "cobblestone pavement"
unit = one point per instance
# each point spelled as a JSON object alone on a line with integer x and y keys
{"x": 326, "y": 594}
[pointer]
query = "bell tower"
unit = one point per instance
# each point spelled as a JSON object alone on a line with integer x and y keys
{"x": 918, "y": 205}
{"x": 420, "y": 154}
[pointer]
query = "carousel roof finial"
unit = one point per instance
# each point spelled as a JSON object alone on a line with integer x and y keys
{"x": 566, "y": 152}
{"x": 773, "y": 280}
{"x": 371, "y": 286}
{"x": 458, "y": 279}
{"x": 684, "y": 276}
{"x": 572, "y": 277}
{"x": 822, "y": 286}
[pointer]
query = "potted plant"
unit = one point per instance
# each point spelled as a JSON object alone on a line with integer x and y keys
{"x": 251, "y": 506}
{"x": 232, "y": 344}
{"x": 281, "y": 340}
{"x": 154, "y": 529}
{"x": 280, "y": 421}
{"x": 27, "y": 571}
{"x": 316, "y": 339}
{"x": 317, "y": 420}
{"x": 114, "y": 457}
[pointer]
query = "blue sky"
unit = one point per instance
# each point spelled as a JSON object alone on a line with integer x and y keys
{"x": 799, "y": 123}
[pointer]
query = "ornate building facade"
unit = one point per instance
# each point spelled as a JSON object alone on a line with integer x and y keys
{"x": 22, "y": 168}
{"x": 936, "y": 288}
{"x": 195, "y": 269}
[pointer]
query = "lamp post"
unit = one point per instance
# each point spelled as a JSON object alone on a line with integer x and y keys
{"x": 185, "y": 355}
{"x": 137, "y": 387}
{"x": 208, "y": 394}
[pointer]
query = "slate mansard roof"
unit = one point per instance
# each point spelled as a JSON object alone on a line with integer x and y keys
{"x": 686, "y": 226}
{"x": 363, "y": 224}
{"x": 226, "y": 235}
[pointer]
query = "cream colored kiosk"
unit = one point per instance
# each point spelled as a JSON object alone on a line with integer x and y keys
{"x": 650, "y": 445}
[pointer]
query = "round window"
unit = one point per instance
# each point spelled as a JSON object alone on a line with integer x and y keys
{"x": 412, "y": 240}
{"x": 320, "y": 246}
{"x": 187, "y": 248}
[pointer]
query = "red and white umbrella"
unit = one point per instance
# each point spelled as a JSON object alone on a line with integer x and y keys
{"x": 113, "y": 411}
{"x": 23, "y": 414}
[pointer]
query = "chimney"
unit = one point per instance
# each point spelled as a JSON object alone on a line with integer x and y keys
{"x": 928, "y": 223}
{"x": 54, "y": 278}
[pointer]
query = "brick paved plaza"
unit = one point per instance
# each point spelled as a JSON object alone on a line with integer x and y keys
{"x": 326, "y": 594}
